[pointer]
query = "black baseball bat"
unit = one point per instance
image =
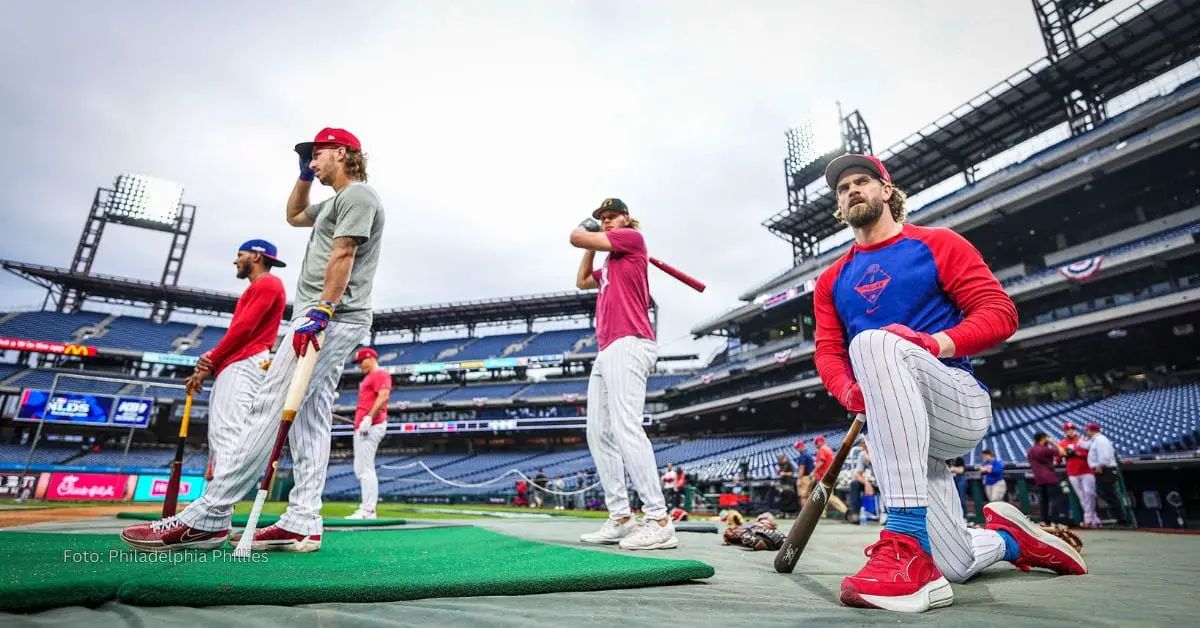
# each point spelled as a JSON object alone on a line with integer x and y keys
{"x": 806, "y": 521}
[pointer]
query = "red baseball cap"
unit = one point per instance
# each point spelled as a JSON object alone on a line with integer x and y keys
{"x": 819, "y": 439}
{"x": 364, "y": 353}
{"x": 329, "y": 137}
{"x": 834, "y": 170}
{"x": 1069, "y": 426}
{"x": 1092, "y": 427}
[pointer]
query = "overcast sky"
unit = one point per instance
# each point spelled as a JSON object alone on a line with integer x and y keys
{"x": 491, "y": 128}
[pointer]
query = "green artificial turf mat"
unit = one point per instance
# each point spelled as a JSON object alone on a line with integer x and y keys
{"x": 50, "y": 570}
{"x": 383, "y": 566}
{"x": 239, "y": 521}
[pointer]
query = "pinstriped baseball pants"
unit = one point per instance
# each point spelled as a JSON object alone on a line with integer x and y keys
{"x": 921, "y": 413}
{"x": 229, "y": 404}
{"x": 308, "y": 439}
{"x": 616, "y": 397}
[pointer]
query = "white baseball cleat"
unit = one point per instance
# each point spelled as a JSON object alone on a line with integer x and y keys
{"x": 362, "y": 514}
{"x": 650, "y": 535}
{"x": 610, "y": 533}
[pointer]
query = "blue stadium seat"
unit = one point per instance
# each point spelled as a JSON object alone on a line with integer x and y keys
{"x": 50, "y": 326}
{"x": 139, "y": 334}
{"x": 554, "y": 342}
{"x": 488, "y": 347}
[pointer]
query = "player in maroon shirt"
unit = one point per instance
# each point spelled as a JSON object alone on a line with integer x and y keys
{"x": 617, "y": 387}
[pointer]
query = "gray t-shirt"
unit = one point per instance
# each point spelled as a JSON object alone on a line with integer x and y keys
{"x": 354, "y": 212}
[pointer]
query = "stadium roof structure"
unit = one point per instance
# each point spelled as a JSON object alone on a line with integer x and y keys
{"x": 529, "y": 308}
{"x": 126, "y": 289}
{"x": 1116, "y": 55}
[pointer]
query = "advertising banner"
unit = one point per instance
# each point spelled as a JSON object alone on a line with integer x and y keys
{"x": 67, "y": 407}
{"x": 38, "y": 346}
{"x": 154, "y": 488}
{"x": 91, "y": 486}
{"x": 16, "y": 485}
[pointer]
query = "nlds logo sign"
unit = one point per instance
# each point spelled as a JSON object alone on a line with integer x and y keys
{"x": 67, "y": 407}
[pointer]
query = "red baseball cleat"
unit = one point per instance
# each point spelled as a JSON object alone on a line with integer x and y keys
{"x": 898, "y": 576}
{"x": 1038, "y": 547}
{"x": 171, "y": 534}
{"x": 275, "y": 539}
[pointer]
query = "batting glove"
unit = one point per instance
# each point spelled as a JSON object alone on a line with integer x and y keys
{"x": 591, "y": 224}
{"x": 318, "y": 320}
{"x": 852, "y": 398}
{"x": 925, "y": 341}
{"x": 306, "y": 173}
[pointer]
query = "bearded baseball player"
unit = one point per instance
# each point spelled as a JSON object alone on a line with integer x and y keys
{"x": 237, "y": 361}
{"x": 897, "y": 317}
{"x": 370, "y": 426}
{"x": 333, "y": 295}
{"x": 617, "y": 386}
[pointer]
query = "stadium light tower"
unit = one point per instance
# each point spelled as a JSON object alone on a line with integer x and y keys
{"x": 821, "y": 136}
{"x": 137, "y": 201}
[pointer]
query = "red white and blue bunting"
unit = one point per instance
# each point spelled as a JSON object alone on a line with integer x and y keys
{"x": 1083, "y": 269}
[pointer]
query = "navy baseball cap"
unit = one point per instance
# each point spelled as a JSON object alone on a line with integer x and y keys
{"x": 834, "y": 170}
{"x": 265, "y": 249}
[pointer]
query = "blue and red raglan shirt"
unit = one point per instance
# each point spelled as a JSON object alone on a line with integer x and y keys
{"x": 929, "y": 279}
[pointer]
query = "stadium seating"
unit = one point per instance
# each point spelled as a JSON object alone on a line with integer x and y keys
{"x": 49, "y": 326}
{"x": 8, "y": 370}
{"x": 139, "y": 334}
{"x": 137, "y": 457}
{"x": 1187, "y": 229}
{"x": 490, "y": 391}
{"x": 556, "y": 388}
{"x": 428, "y": 351}
{"x": 208, "y": 338}
{"x": 553, "y": 342}
{"x": 659, "y": 382}
{"x": 45, "y": 454}
{"x": 489, "y": 347}
{"x": 69, "y": 381}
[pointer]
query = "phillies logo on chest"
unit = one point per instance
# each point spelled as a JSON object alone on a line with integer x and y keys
{"x": 872, "y": 284}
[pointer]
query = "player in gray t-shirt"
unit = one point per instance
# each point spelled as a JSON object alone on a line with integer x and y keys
{"x": 333, "y": 296}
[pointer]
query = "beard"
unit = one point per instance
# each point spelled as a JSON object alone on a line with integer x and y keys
{"x": 243, "y": 271}
{"x": 864, "y": 214}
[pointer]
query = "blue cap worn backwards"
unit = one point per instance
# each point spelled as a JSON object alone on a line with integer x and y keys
{"x": 264, "y": 248}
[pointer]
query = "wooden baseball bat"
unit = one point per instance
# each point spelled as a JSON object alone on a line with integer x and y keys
{"x": 806, "y": 521}
{"x": 295, "y": 395}
{"x": 171, "y": 501}
{"x": 692, "y": 282}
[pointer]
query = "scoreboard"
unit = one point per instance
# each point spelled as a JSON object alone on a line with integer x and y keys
{"x": 84, "y": 409}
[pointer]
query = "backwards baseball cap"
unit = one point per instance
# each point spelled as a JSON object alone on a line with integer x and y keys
{"x": 839, "y": 165}
{"x": 610, "y": 205}
{"x": 265, "y": 249}
{"x": 364, "y": 353}
{"x": 329, "y": 137}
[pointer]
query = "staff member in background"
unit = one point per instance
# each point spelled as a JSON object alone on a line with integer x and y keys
{"x": 1041, "y": 461}
{"x": 617, "y": 386}
{"x": 824, "y": 459}
{"x": 993, "y": 477}
{"x": 787, "y": 484}
{"x": 1102, "y": 458}
{"x": 668, "y": 485}
{"x": 370, "y": 426}
{"x": 1082, "y": 479}
{"x": 804, "y": 469}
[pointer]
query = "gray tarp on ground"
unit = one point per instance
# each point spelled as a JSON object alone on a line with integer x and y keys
{"x": 1137, "y": 579}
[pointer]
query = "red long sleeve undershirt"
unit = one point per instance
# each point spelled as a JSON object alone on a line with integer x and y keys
{"x": 989, "y": 315}
{"x": 255, "y": 323}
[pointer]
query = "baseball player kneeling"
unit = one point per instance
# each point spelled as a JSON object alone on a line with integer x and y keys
{"x": 897, "y": 317}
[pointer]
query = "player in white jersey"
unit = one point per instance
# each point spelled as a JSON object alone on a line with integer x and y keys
{"x": 616, "y": 393}
{"x": 333, "y": 295}
{"x": 237, "y": 360}
{"x": 897, "y": 318}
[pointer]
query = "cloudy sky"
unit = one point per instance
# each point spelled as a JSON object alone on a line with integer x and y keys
{"x": 491, "y": 128}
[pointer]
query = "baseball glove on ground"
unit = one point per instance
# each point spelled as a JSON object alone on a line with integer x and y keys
{"x": 1064, "y": 533}
{"x": 764, "y": 539}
